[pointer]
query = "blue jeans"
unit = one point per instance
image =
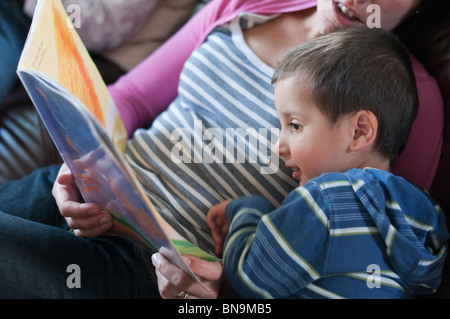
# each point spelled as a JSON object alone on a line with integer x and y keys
{"x": 14, "y": 28}
{"x": 37, "y": 248}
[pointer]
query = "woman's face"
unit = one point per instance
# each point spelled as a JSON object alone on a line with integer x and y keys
{"x": 338, "y": 13}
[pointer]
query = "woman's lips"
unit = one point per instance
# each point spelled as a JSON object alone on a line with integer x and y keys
{"x": 345, "y": 15}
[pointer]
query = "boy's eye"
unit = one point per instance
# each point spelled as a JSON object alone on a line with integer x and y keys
{"x": 295, "y": 126}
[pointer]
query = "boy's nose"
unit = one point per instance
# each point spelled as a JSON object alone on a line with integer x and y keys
{"x": 280, "y": 149}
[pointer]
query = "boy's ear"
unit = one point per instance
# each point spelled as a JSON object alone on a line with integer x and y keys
{"x": 365, "y": 126}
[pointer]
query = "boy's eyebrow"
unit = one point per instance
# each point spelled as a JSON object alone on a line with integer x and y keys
{"x": 291, "y": 112}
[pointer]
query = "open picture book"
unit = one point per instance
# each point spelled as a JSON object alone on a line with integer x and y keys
{"x": 75, "y": 106}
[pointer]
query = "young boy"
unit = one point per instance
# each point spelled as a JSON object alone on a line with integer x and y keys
{"x": 346, "y": 102}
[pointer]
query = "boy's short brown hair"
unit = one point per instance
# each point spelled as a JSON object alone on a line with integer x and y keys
{"x": 357, "y": 68}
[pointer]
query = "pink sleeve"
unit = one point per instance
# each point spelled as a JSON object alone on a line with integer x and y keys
{"x": 418, "y": 162}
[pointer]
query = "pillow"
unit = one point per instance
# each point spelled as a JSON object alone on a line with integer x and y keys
{"x": 166, "y": 18}
{"x": 104, "y": 24}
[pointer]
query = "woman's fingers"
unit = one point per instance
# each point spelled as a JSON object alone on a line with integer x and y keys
{"x": 86, "y": 219}
{"x": 172, "y": 281}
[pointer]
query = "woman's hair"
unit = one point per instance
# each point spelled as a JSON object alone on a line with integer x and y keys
{"x": 357, "y": 68}
{"x": 423, "y": 22}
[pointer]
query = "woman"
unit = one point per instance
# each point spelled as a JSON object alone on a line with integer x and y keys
{"x": 231, "y": 57}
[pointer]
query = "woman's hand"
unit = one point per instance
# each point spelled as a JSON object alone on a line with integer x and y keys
{"x": 175, "y": 283}
{"x": 86, "y": 219}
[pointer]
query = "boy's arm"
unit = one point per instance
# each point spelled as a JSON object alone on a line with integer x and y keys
{"x": 273, "y": 253}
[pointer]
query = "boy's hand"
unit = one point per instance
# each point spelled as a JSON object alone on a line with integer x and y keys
{"x": 218, "y": 222}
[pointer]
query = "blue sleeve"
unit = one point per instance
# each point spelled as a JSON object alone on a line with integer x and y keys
{"x": 274, "y": 253}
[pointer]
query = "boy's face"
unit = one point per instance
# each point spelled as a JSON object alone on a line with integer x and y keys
{"x": 309, "y": 142}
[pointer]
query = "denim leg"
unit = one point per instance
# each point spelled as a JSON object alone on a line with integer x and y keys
{"x": 14, "y": 26}
{"x": 36, "y": 250}
{"x": 31, "y": 197}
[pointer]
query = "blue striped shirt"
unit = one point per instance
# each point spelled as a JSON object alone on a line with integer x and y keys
{"x": 360, "y": 234}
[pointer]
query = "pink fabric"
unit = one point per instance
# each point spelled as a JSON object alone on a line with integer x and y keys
{"x": 149, "y": 88}
{"x": 419, "y": 160}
